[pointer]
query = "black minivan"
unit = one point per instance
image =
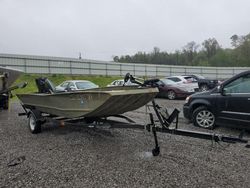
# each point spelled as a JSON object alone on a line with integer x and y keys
{"x": 228, "y": 104}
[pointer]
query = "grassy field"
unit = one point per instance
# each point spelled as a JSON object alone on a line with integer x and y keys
{"x": 57, "y": 79}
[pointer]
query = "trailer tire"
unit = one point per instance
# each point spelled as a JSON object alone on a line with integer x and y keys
{"x": 156, "y": 151}
{"x": 33, "y": 123}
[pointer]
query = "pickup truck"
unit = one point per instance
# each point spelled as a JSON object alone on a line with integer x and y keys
{"x": 203, "y": 83}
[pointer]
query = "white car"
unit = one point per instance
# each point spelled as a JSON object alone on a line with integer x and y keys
{"x": 120, "y": 83}
{"x": 70, "y": 85}
{"x": 185, "y": 81}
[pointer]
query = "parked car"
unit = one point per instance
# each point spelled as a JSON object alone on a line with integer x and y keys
{"x": 188, "y": 87}
{"x": 75, "y": 85}
{"x": 185, "y": 80}
{"x": 203, "y": 83}
{"x": 119, "y": 83}
{"x": 169, "y": 89}
{"x": 228, "y": 104}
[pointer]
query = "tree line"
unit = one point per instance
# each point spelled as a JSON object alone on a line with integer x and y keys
{"x": 209, "y": 53}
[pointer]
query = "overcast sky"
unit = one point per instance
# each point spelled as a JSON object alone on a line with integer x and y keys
{"x": 100, "y": 29}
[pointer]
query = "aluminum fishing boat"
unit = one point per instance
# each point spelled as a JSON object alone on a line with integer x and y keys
{"x": 98, "y": 102}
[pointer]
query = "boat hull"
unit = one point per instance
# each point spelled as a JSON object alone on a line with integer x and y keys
{"x": 100, "y": 102}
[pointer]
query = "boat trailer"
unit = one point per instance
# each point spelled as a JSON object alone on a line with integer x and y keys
{"x": 160, "y": 121}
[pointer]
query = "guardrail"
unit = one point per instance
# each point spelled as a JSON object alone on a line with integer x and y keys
{"x": 57, "y": 65}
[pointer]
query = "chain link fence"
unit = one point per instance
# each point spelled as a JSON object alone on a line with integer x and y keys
{"x": 58, "y": 65}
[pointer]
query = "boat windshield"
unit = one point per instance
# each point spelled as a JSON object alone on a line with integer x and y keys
{"x": 51, "y": 84}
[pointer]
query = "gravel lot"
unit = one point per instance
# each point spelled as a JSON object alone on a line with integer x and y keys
{"x": 74, "y": 156}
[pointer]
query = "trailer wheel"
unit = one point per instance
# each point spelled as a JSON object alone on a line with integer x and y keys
{"x": 33, "y": 123}
{"x": 156, "y": 151}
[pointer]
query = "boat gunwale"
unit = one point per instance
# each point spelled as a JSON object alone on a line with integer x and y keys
{"x": 95, "y": 91}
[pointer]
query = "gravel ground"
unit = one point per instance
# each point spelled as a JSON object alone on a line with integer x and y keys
{"x": 74, "y": 156}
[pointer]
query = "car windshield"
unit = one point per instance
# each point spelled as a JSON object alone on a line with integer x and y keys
{"x": 85, "y": 85}
{"x": 64, "y": 84}
{"x": 119, "y": 82}
{"x": 168, "y": 82}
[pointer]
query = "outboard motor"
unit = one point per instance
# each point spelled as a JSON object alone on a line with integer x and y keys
{"x": 150, "y": 82}
{"x": 44, "y": 85}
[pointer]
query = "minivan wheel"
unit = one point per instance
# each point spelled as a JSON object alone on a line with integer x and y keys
{"x": 203, "y": 117}
{"x": 171, "y": 95}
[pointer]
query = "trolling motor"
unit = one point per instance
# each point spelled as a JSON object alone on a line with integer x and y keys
{"x": 129, "y": 77}
{"x": 132, "y": 79}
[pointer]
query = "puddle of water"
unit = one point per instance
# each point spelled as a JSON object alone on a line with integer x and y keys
{"x": 146, "y": 155}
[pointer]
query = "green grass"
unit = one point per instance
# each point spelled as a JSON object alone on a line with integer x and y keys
{"x": 57, "y": 79}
